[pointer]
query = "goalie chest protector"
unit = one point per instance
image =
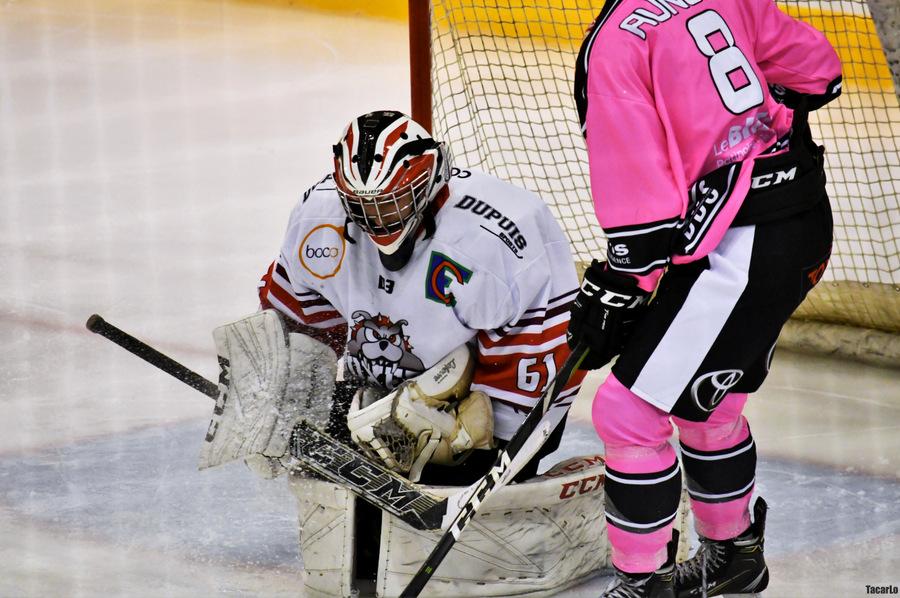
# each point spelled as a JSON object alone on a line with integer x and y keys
{"x": 496, "y": 253}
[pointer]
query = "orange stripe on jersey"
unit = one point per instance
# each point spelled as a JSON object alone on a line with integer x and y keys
{"x": 523, "y": 374}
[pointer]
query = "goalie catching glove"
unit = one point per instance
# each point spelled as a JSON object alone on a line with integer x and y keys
{"x": 430, "y": 418}
{"x": 604, "y": 313}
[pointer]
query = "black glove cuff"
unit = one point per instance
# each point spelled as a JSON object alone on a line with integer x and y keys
{"x": 600, "y": 275}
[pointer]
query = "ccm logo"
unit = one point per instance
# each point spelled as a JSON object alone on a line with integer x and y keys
{"x": 582, "y": 486}
{"x": 318, "y": 252}
{"x": 774, "y": 178}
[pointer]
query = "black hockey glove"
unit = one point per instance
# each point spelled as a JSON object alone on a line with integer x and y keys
{"x": 604, "y": 313}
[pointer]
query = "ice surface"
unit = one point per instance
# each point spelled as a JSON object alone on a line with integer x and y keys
{"x": 150, "y": 153}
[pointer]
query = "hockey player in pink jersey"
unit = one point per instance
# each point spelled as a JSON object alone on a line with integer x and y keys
{"x": 711, "y": 192}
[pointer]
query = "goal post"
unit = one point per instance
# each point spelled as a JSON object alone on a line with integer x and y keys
{"x": 499, "y": 80}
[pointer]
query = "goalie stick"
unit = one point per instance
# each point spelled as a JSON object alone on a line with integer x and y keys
{"x": 370, "y": 480}
{"x": 318, "y": 451}
{"x": 530, "y": 436}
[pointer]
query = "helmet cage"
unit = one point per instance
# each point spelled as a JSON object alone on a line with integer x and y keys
{"x": 387, "y": 213}
{"x": 387, "y": 170}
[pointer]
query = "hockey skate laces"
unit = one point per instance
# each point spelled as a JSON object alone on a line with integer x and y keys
{"x": 708, "y": 555}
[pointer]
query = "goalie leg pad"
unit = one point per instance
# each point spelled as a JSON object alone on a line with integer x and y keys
{"x": 270, "y": 380}
{"x": 534, "y": 538}
{"x": 326, "y": 513}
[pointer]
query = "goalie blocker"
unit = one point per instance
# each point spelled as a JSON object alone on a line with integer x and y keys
{"x": 270, "y": 379}
{"x": 536, "y": 538}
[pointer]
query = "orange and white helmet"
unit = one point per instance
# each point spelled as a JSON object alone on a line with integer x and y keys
{"x": 387, "y": 170}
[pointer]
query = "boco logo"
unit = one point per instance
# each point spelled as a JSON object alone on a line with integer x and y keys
{"x": 322, "y": 250}
{"x": 709, "y": 389}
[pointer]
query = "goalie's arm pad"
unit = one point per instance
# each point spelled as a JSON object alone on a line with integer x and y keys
{"x": 430, "y": 418}
{"x": 307, "y": 311}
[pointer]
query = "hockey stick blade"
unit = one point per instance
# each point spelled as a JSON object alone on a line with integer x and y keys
{"x": 318, "y": 451}
{"x": 532, "y": 433}
{"x": 369, "y": 480}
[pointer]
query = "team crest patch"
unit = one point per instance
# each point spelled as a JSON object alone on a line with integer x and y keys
{"x": 379, "y": 350}
{"x": 441, "y": 272}
{"x": 322, "y": 250}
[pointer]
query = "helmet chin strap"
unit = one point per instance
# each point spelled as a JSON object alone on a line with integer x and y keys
{"x": 395, "y": 261}
{"x": 399, "y": 258}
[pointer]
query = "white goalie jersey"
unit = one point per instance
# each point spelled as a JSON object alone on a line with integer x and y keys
{"x": 497, "y": 274}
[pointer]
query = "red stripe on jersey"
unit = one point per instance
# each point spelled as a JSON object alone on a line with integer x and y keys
{"x": 263, "y": 291}
{"x": 531, "y": 339}
{"x": 287, "y": 298}
{"x": 533, "y": 319}
{"x": 568, "y": 297}
{"x": 288, "y": 301}
{"x": 522, "y": 374}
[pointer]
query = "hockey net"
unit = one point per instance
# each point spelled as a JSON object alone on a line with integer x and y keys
{"x": 497, "y": 86}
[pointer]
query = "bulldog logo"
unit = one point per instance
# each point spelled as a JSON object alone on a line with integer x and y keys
{"x": 379, "y": 351}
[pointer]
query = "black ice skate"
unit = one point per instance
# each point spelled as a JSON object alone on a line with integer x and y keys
{"x": 659, "y": 584}
{"x": 732, "y": 566}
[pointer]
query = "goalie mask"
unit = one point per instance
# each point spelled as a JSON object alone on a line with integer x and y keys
{"x": 387, "y": 170}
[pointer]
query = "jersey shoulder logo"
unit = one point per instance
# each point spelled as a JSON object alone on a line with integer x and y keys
{"x": 496, "y": 223}
{"x": 440, "y": 271}
{"x": 322, "y": 250}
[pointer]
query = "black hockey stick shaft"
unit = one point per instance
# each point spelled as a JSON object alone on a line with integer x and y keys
{"x": 490, "y": 482}
{"x": 138, "y": 347}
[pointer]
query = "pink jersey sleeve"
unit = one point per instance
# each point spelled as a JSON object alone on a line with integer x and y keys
{"x": 636, "y": 191}
{"x": 792, "y": 53}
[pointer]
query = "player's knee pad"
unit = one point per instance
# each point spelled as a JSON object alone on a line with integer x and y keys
{"x": 722, "y": 474}
{"x": 622, "y": 418}
{"x": 642, "y": 503}
{"x": 713, "y": 436}
{"x": 533, "y": 538}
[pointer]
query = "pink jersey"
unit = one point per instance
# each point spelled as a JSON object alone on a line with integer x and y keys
{"x": 674, "y": 90}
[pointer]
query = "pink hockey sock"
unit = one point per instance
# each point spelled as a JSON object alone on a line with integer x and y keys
{"x": 643, "y": 479}
{"x": 719, "y": 458}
